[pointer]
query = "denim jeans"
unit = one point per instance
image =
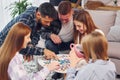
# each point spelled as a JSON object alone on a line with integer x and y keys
{"x": 57, "y": 47}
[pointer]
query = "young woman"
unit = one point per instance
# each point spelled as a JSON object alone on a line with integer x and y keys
{"x": 11, "y": 66}
{"x": 83, "y": 25}
{"x": 99, "y": 66}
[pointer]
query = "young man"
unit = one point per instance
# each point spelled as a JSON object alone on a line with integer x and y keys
{"x": 62, "y": 40}
{"x": 38, "y": 19}
{"x": 64, "y": 36}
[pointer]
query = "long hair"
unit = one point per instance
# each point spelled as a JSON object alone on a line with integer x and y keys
{"x": 84, "y": 17}
{"x": 13, "y": 43}
{"x": 95, "y": 46}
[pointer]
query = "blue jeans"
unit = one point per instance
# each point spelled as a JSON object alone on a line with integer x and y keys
{"x": 57, "y": 47}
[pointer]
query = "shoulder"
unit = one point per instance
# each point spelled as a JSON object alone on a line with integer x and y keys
{"x": 29, "y": 12}
{"x": 18, "y": 58}
{"x": 100, "y": 31}
{"x": 32, "y": 8}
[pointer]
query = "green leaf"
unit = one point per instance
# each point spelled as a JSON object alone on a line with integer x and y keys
{"x": 18, "y": 7}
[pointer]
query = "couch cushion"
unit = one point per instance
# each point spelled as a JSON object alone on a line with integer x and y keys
{"x": 117, "y": 20}
{"x": 113, "y": 50}
{"x": 103, "y": 19}
{"x": 114, "y": 34}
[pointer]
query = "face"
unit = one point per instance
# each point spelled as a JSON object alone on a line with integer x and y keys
{"x": 26, "y": 40}
{"x": 80, "y": 26}
{"x": 45, "y": 21}
{"x": 65, "y": 18}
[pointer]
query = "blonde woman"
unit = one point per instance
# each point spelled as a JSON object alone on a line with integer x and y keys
{"x": 11, "y": 67}
{"x": 99, "y": 66}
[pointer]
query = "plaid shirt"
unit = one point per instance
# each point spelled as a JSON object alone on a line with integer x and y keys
{"x": 28, "y": 17}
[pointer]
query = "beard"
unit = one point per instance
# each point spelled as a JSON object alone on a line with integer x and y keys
{"x": 40, "y": 21}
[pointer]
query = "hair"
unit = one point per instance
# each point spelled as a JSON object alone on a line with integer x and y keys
{"x": 47, "y": 9}
{"x": 64, "y": 7}
{"x": 84, "y": 17}
{"x": 95, "y": 46}
{"x": 13, "y": 43}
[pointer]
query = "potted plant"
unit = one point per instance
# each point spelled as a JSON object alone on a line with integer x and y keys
{"x": 18, "y": 7}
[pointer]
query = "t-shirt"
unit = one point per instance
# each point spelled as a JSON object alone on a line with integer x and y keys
{"x": 66, "y": 32}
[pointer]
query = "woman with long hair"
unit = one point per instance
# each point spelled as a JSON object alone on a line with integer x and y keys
{"x": 13, "y": 43}
{"x": 11, "y": 62}
{"x": 83, "y": 25}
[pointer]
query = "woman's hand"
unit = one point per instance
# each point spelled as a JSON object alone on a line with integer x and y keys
{"x": 73, "y": 58}
{"x": 53, "y": 66}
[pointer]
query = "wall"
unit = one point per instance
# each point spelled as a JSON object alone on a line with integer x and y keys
{"x": 5, "y": 13}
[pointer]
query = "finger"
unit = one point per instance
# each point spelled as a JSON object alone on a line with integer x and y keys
{"x": 28, "y": 58}
{"x": 24, "y": 56}
{"x": 56, "y": 57}
{"x": 31, "y": 57}
{"x": 48, "y": 57}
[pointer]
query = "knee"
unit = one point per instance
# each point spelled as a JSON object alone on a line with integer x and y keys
{"x": 48, "y": 43}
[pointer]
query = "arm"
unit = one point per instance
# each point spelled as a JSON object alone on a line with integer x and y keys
{"x": 18, "y": 73}
{"x": 16, "y": 70}
{"x": 71, "y": 74}
{"x": 32, "y": 50}
{"x": 5, "y": 31}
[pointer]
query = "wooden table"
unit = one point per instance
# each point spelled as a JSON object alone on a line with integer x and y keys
{"x": 109, "y": 8}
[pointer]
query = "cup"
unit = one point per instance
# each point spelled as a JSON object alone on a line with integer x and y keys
{"x": 78, "y": 49}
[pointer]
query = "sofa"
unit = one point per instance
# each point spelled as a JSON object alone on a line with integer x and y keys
{"x": 109, "y": 23}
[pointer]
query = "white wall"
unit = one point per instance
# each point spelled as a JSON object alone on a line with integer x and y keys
{"x": 5, "y": 13}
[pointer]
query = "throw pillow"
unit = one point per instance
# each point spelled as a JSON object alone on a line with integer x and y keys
{"x": 103, "y": 19}
{"x": 114, "y": 34}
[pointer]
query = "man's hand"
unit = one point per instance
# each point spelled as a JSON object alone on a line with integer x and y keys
{"x": 28, "y": 57}
{"x": 55, "y": 38}
{"x": 49, "y": 54}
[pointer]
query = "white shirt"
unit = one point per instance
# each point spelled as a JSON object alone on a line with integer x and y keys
{"x": 66, "y": 32}
{"x": 17, "y": 71}
{"x": 99, "y": 70}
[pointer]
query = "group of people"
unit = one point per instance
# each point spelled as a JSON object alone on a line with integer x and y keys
{"x": 59, "y": 28}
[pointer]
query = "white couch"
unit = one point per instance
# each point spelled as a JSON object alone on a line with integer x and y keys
{"x": 109, "y": 22}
